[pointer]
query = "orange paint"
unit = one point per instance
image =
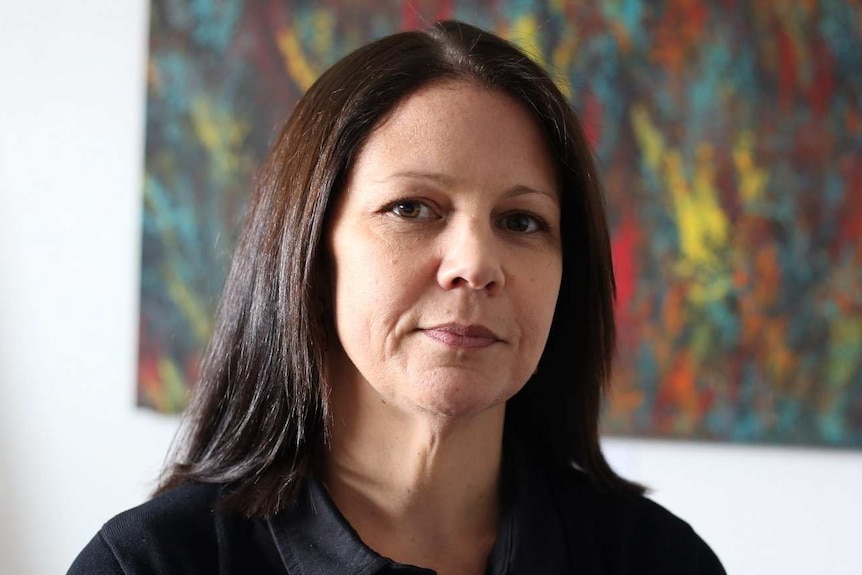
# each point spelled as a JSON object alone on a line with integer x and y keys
{"x": 673, "y": 315}
{"x": 621, "y": 35}
{"x": 625, "y": 402}
{"x": 679, "y": 32}
{"x": 679, "y": 390}
{"x": 768, "y": 273}
{"x": 752, "y": 320}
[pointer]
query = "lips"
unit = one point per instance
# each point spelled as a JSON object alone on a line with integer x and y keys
{"x": 462, "y": 336}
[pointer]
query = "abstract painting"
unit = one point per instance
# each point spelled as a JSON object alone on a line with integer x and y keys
{"x": 729, "y": 135}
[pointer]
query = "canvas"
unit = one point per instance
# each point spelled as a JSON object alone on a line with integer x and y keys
{"x": 729, "y": 135}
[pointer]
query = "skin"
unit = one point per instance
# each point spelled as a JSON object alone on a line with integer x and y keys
{"x": 450, "y": 218}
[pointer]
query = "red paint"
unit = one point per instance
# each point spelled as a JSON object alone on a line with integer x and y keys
{"x": 786, "y": 68}
{"x": 676, "y": 396}
{"x": 624, "y": 246}
{"x": 705, "y": 400}
{"x": 149, "y": 380}
{"x": 592, "y": 119}
{"x": 410, "y": 16}
{"x": 192, "y": 368}
{"x": 148, "y": 372}
{"x": 444, "y": 9}
{"x": 695, "y": 16}
{"x": 416, "y": 15}
{"x": 850, "y": 226}
{"x": 823, "y": 82}
{"x": 680, "y": 382}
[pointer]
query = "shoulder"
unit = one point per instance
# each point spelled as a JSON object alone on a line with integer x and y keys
{"x": 174, "y": 531}
{"x": 632, "y": 533}
{"x": 188, "y": 509}
{"x": 624, "y": 510}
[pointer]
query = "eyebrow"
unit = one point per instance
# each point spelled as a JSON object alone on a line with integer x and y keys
{"x": 449, "y": 181}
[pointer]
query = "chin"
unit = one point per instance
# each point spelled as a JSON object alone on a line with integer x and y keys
{"x": 461, "y": 396}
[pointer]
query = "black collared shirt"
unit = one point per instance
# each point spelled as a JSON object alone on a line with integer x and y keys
{"x": 553, "y": 522}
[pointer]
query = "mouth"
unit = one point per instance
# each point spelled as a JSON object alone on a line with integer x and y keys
{"x": 462, "y": 336}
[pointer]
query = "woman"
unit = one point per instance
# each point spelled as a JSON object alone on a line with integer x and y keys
{"x": 412, "y": 344}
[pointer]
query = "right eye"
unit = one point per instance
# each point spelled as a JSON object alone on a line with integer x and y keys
{"x": 412, "y": 210}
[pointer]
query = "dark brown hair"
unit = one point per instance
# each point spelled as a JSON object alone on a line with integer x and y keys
{"x": 259, "y": 416}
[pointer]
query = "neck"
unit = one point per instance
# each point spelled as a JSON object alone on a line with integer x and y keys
{"x": 414, "y": 484}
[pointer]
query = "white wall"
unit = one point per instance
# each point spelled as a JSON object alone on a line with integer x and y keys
{"x": 74, "y": 450}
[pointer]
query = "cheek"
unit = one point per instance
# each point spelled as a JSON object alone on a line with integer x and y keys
{"x": 539, "y": 300}
{"x": 373, "y": 290}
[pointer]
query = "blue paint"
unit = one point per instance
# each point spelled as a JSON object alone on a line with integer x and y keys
{"x": 215, "y": 22}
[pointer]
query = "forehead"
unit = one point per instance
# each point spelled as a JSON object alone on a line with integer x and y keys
{"x": 463, "y": 131}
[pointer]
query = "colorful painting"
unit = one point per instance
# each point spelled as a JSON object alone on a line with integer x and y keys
{"x": 729, "y": 134}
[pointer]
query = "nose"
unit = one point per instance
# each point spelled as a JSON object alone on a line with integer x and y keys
{"x": 471, "y": 259}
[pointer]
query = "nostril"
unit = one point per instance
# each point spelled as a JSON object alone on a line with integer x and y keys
{"x": 469, "y": 266}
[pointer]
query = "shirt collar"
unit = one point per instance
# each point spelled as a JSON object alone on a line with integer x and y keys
{"x": 532, "y": 536}
{"x": 313, "y": 538}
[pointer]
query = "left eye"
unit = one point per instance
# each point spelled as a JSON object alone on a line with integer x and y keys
{"x": 522, "y": 223}
{"x": 412, "y": 209}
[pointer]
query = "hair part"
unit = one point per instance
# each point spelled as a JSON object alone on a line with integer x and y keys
{"x": 259, "y": 416}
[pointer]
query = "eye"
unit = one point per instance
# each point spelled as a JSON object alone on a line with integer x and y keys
{"x": 523, "y": 223}
{"x": 412, "y": 210}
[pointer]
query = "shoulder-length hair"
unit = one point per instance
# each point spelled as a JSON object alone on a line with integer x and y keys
{"x": 259, "y": 416}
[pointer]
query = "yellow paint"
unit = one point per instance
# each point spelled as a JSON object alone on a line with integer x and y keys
{"x": 702, "y": 342}
{"x": 563, "y": 52}
{"x": 295, "y": 61}
{"x": 189, "y": 306}
{"x": 752, "y": 179}
{"x": 650, "y": 139}
{"x": 562, "y": 61}
{"x": 713, "y": 287}
{"x": 524, "y": 32}
{"x": 558, "y": 6}
{"x": 182, "y": 296}
{"x": 220, "y": 133}
{"x": 845, "y": 339}
{"x": 324, "y": 26}
{"x": 175, "y": 390}
{"x": 714, "y": 224}
{"x": 152, "y": 391}
{"x": 703, "y": 225}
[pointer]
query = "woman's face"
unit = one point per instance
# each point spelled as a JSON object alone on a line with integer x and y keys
{"x": 445, "y": 254}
